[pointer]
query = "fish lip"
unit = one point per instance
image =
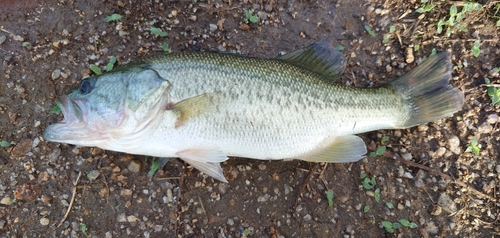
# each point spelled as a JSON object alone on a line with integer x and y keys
{"x": 74, "y": 112}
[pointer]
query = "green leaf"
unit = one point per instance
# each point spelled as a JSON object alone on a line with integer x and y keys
{"x": 453, "y": 10}
{"x": 496, "y": 69}
{"x": 329, "y": 196}
{"x": 413, "y": 225}
{"x": 163, "y": 34}
{"x": 83, "y": 227}
{"x": 55, "y": 110}
{"x": 373, "y": 154}
{"x": 25, "y": 44}
{"x": 4, "y": 143}
{"x": 155, "y": 31}
{"x": 389, "y": 205}
{"x": 386, "y": 38}
{"x": 384, "y": 139}
{"x": 339, "y": 48}
{"x": 498, "y": 23}
{"x": 114, "y": 17}
{"x": 254, "y": 19}
{"x": 164, "y": 46}
{"x": 366, "y": 209}
{"x": 362, "y": 176}
{"x": 95, "y": 69}
{"x": 396, "y": 225}
{"x": 246, "y": 232}
{"x": 420, "y": 10}
{"x": 404, "y": 222}
{"x": 111, "y": 63}
{"x": 475, "y": 48}
{"x": 392, "y": 29}
{"x": 369, "y": 30}
{"x": 154, "y": 167}
{"x": 388, "y": 226}
{"x": 433, "y": 52}
{"x": 416, "y": 47}
{"x": 440, "y": 24}
{"x": 429, "y": 7}
{"x": 377, "y": 195}
{"x": 380, "y": 150}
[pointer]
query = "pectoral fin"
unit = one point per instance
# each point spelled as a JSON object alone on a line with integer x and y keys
{"x": 343, "y": 149}
{"x": 207, "y": 160}
{"x": 193, "y": 107}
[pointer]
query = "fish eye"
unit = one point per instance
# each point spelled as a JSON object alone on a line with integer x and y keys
{"x": 87, "y": 85}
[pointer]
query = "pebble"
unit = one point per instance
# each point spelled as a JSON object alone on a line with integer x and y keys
{"x": 47, "y": 199}
{"x": 492, "y": 118}
{"x": 6, "y": 200}
{"x": 213, "y": 27}
{"x": 307, "y": 218}
{"x": 18, "y": 38}
{"x": 126, "y": 192}
{"x": 44, "y": 221}
{"x": 453, "y": 144}
{"x": 439, "y": 152}
{"x": 447, "y": 203}
{"x": 132, "y": 218}
{"x": 409, "y": 55}
{"x": 2, "y": 39}
{"x": 22, "y": 148}
{"x": 121, "y": 217}
{"x": 407, "y": 156}
{"x": 485, "y": 128}
{"x": 56, "y": 74}
{"x": 2, "y": 224}
{"x": 134, "y": 166}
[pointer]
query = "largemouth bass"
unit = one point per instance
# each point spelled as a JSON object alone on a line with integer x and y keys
{"x": 203, "y": 107}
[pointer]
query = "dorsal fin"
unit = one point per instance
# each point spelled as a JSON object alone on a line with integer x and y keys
{"x": 320, "y": 58}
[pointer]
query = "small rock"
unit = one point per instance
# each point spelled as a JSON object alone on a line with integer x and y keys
{"x": 439, "y": 152}
{"x": 492, "y": 118}
{"x": 2, "y": 224}
{"x": 307, "y": 218}
{"x": 230, "y": 222}
{"x": 485, "y": 128}
{"x": 193, "y": 18}
{"x": 131, "y": 218}
{"x": 407, "y": 156}
{"x": 56, "y": 74}
{"x": 6, "y": 200}
{"x": 409, "y": 55}
{"x": 223, "y": 188}
{"x": 18, "y": 38}
{"x": 213, "y": 27}
{"x": 44, "y": 221}
{"x": 26, "y": 192}
{"x": 121, "y": 217}
{"x": 447, "y": 203}
{"x": 22, "y": 148}
{"x": 453, "y": 144}
{"x": 244, "y": 27}
{"x": 43, "y": 177}
{"x": 2, "y": 39}
{"x": 134, "y": 166}
{"x": 126, "y": 192}
{"x": 47, "y": 199}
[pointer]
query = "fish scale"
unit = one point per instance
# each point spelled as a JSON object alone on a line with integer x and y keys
{"x": 203, "y": 107}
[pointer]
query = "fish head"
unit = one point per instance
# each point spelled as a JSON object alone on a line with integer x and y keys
{"x": 110, "y": 107}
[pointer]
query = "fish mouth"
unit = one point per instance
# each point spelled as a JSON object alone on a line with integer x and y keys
{"x": 72, "y": 126}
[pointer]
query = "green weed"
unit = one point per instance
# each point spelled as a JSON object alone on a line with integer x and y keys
{"x": 4, "y": 144}
{"x": 369, "y": 30}
{"x": 113, "y": 17}
{"x": 425, "y": 7}
{"x": 473, "y": 146}
{"x": 249, "y": 17}
{"x": 456, "y": 17}
{"x": 493, "y": 92}
{"x": 157, "y": 32}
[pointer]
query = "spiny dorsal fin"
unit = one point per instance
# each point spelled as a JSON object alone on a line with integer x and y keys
{"x": 320, "y": 58}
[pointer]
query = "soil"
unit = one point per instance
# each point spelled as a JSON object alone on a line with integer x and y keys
{"x": 425, "y": 176}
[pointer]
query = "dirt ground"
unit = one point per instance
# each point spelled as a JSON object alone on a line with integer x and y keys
{"x": 424, "y": 181}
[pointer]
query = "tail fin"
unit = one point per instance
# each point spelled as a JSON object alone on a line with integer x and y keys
{"x": 428, "y": 91}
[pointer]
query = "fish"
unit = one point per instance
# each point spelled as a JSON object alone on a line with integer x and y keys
{"x": 204, "y": 107}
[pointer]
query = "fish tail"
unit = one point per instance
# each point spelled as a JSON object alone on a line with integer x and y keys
{"x": 427, "y": 91}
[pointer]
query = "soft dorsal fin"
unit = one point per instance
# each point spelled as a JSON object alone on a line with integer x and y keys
{"x": 320, "y": 58}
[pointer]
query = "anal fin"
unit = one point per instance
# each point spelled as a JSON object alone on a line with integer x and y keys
{"x": 342, "y": 149}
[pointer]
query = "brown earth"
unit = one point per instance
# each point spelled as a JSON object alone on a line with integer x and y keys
{"x": 47, "y": 47}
